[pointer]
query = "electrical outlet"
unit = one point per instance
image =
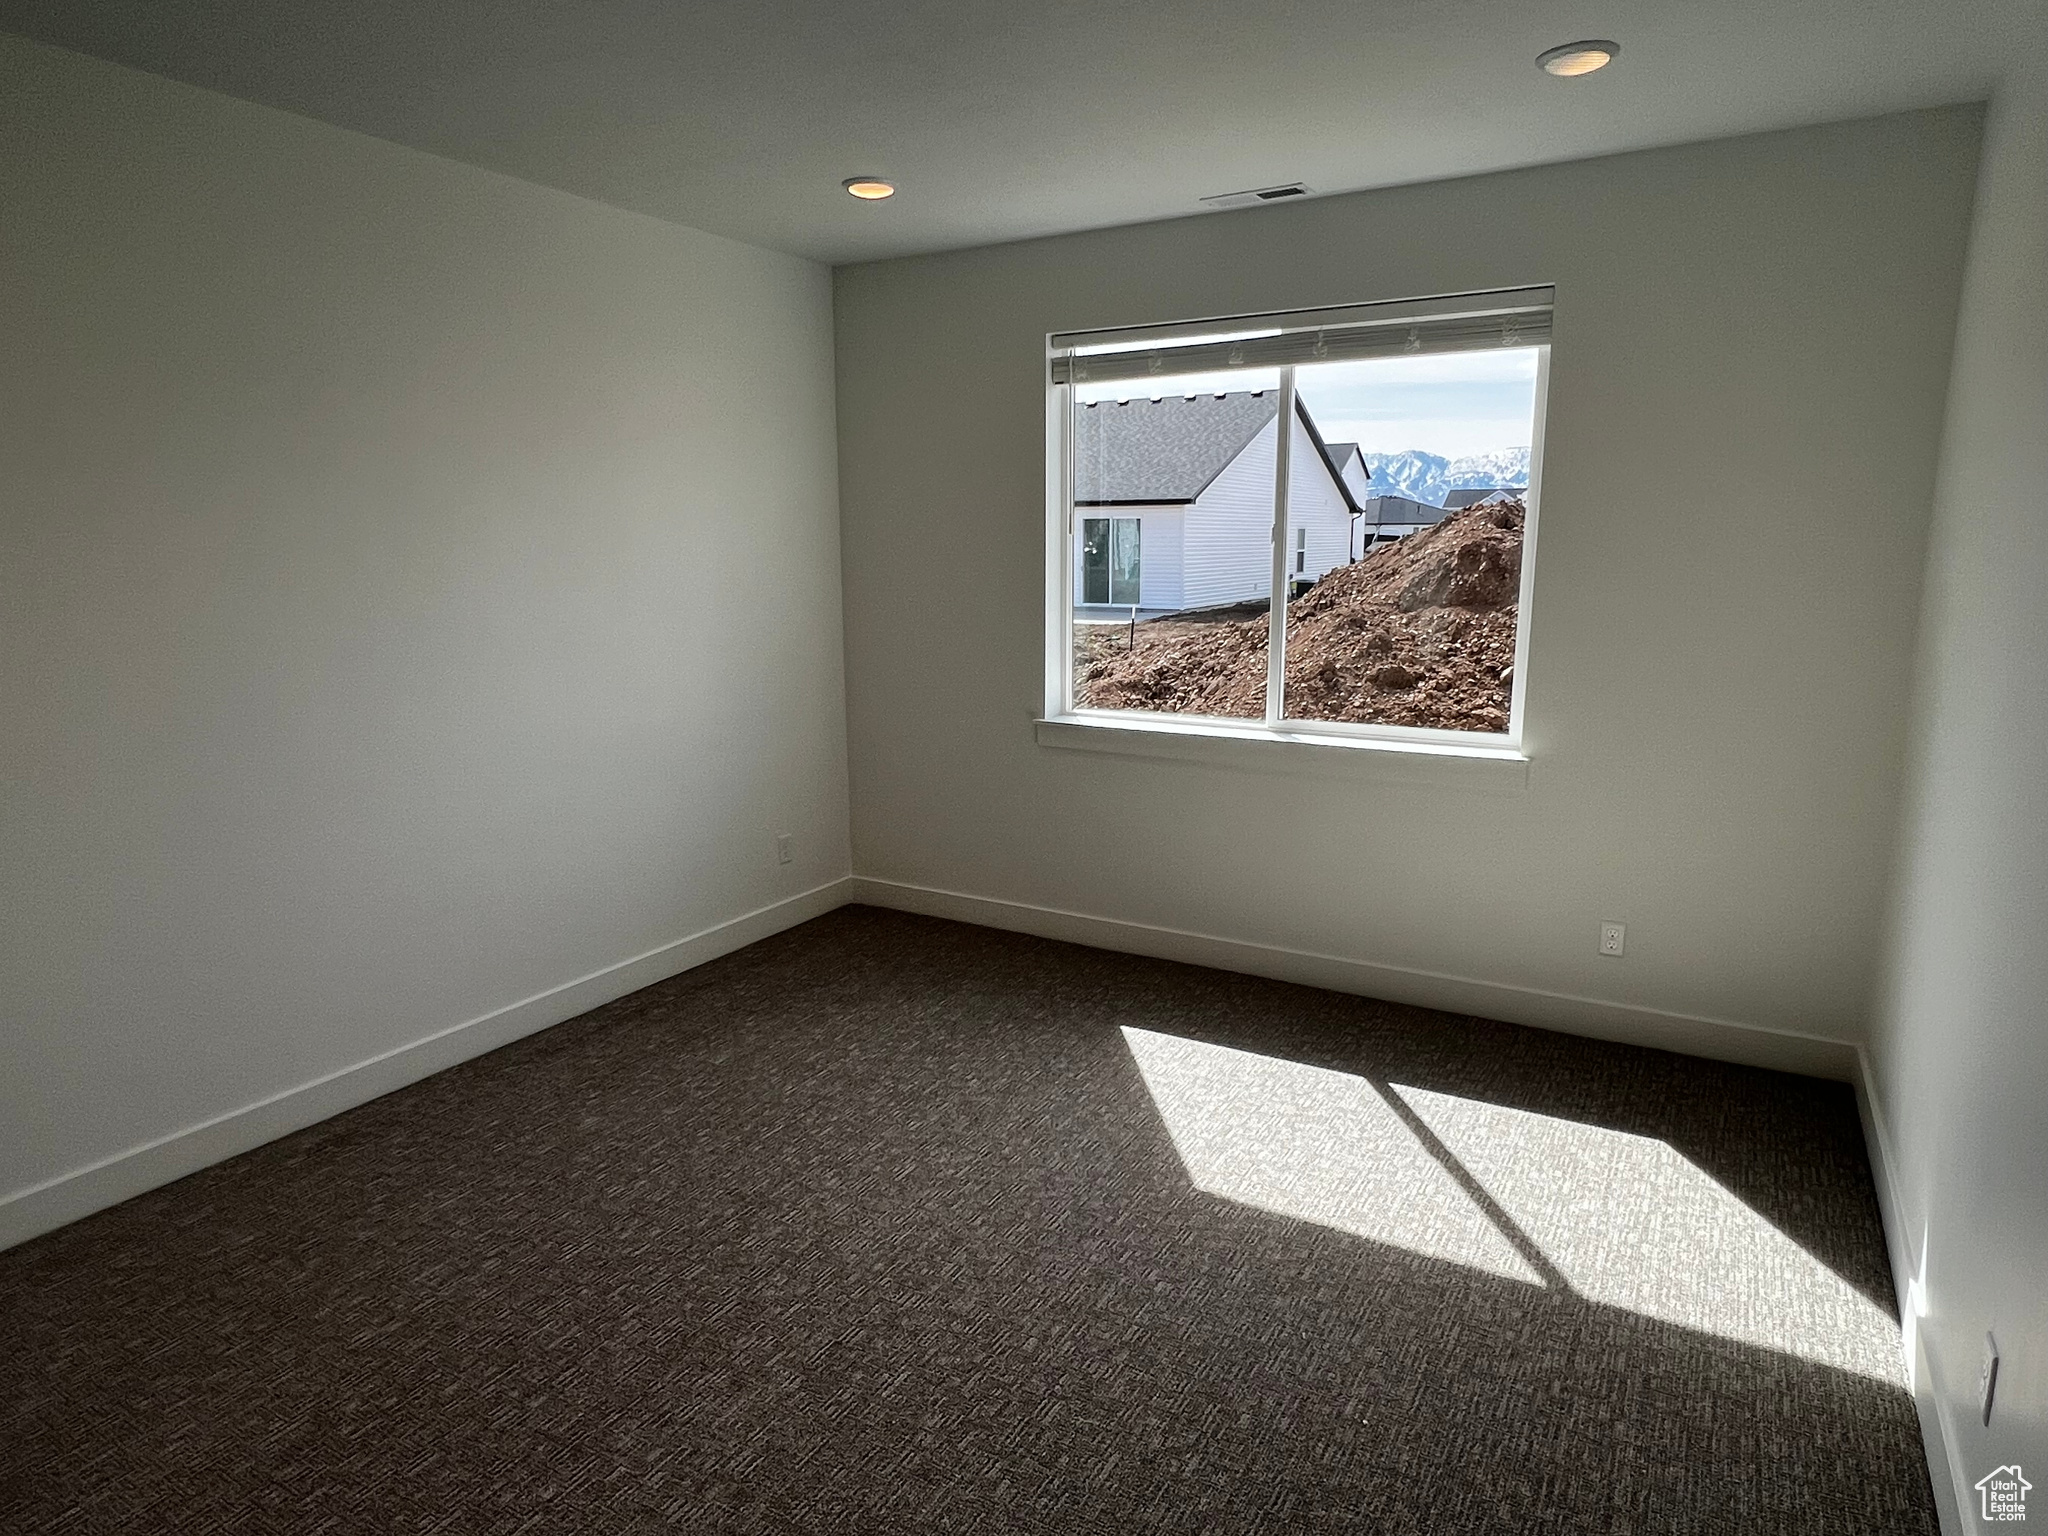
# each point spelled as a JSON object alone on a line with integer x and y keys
{"x": 782, "y": 853}
{"x": 1987, "y": 1376}
{"x": 1611, "y": 935}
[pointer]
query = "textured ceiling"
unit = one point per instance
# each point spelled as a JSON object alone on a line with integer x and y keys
{"x": 1029, "y": 117}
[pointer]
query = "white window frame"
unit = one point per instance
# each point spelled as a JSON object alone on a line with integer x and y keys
{"x": 1063, "y": 723}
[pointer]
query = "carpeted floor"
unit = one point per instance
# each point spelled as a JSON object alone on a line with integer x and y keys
{"x": 893, "y": 1225}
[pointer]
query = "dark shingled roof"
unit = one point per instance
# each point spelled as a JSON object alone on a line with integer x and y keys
{"x": 1471, "y": 496}
{"x": 1162, "y": 450}
{"x": 1402, "y": 509}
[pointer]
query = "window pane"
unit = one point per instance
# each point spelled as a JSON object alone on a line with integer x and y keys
{"x": 1095, "y": 560}
{"x": 1407, "y": 519}
{"x": 1123, "y": 561}
{"x": 1173, "y": 517}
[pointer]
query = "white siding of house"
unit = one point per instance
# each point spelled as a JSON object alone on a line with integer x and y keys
{"x": 1159, "y": 551}
{"x": 1159, "y": 556}
{"x": 1315, "y": 503}
{"x": 1358, "y": 477}
{"x": 1227, "y": 555}
{"x": 1229, "y": 540}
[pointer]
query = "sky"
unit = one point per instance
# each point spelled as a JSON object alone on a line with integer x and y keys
{"x": 1449, "y": 403}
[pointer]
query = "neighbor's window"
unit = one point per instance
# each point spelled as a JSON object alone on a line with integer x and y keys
{"x": 1372, "y": 467}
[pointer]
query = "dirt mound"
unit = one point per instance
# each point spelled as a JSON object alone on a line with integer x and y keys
{"x": 1419, "y": 632}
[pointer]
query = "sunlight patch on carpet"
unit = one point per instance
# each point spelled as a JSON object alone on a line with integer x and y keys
{"x": 1622, "y": 1220}
{"x": 1631, "y": 1222}
{"x": 1318, "y": 1145}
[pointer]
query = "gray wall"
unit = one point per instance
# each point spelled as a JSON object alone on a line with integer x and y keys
{"x": 1961, "y": 1038}
{"x": 1752, "y": 345}
{"x": 418, "y": 590}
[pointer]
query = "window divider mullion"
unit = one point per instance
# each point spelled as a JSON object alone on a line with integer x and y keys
{"x": 1276, "y": 607}
{"x": 1059, "y": 691}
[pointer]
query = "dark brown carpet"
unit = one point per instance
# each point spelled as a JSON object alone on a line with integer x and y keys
{"x": 874, "y": 1227}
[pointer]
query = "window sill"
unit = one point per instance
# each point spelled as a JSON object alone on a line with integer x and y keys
{"x": 1498, "y": 768}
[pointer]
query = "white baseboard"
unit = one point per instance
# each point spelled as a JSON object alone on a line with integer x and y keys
{"x": 42, "y": 1207}
{"x": 1720, "y": 1039}
{"x": 1905, "y": 1244}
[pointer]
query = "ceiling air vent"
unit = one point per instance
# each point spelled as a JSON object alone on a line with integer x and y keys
{"x": 1256, "y": 195}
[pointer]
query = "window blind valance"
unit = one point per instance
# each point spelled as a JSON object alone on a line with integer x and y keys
{"x": 1459, "y": 323}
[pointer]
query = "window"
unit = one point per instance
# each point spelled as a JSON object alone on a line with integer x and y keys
{"x": 1109, "y": 561}
{"x": 1375, "y": 466}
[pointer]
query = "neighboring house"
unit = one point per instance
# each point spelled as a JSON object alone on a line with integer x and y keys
{"x": 1392, "y": 517}
{"x": 1471, "y": 496}
{"x": 1173, "y": 500}
{"x": 1351, "y": 468}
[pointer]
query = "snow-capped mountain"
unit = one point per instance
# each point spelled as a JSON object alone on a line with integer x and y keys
{"x": 1429, "y": 477}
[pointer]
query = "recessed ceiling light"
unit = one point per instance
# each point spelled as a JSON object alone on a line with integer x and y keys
{"x": 870, "y": 189}
{"x": 1578, "y": 58}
